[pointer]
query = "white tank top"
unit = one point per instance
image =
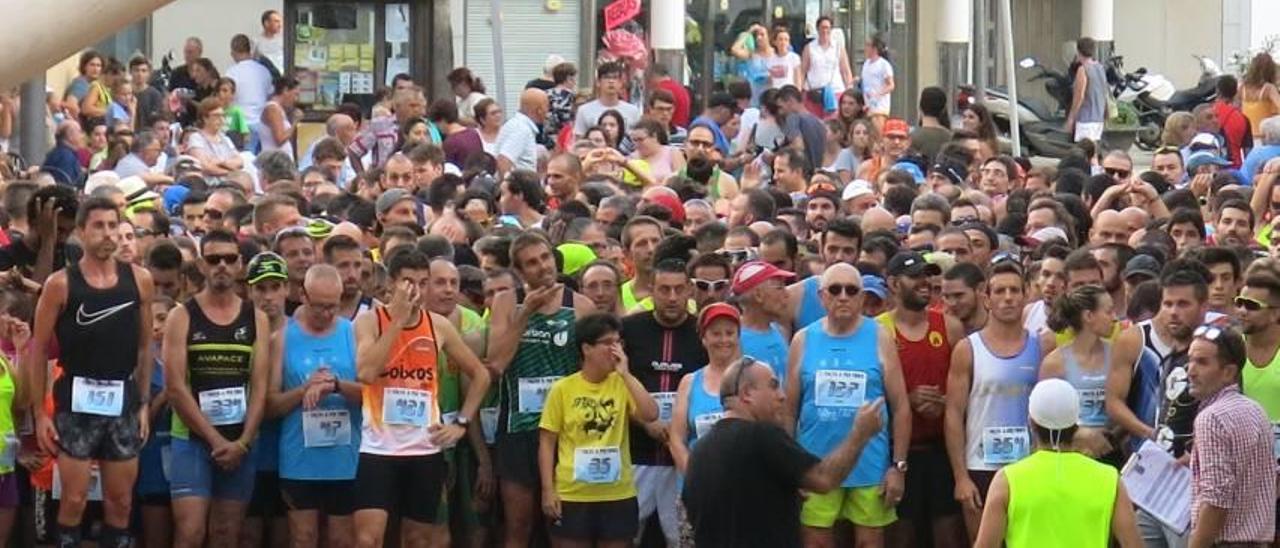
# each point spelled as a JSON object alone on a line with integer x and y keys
{"x": 268, "y": 139}
{"x": 824, "y": 67}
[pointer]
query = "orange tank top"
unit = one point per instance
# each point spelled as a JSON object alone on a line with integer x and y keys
{"x": 1257, "y": 109}
{"x": 400, "y": 406}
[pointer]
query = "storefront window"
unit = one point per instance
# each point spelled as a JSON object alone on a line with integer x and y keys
{"x": 334, "y": 52}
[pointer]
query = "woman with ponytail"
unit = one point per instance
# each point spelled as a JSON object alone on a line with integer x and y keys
{"x": 1087, "y": 312}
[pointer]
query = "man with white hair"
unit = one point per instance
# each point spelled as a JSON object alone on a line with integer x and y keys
{"x": 340, "y": 127}
{"x": 1055, "y": 488}
{"x": 836, "y": 366}
{"x": 1259, "y": 155}
{"x": 545, "y": 81}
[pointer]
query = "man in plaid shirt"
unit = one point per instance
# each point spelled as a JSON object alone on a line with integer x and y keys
{"x": 1233, "y": 468}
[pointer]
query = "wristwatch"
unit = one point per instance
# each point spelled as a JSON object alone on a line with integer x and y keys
{"x": 462, "y": 421}
{"x": 901, "y": 465}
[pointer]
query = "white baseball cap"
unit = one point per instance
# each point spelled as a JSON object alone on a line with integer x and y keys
{"x": 856, "y": 189}
{"x": 1054, "y": 404}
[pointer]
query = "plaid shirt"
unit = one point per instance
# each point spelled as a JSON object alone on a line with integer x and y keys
{"x": 1233, "y": 468}
{"x": 381, "y": 136}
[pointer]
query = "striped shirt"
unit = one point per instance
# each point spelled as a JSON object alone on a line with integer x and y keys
{"x": 1232, "y": 466}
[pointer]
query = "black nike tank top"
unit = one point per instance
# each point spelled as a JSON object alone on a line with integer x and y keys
{"x": 97, "y": 333}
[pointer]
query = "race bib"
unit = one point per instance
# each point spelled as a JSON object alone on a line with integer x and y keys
{"x": 405, "y": 406}
{"x": 95, "y": 397}
{"x": 326, "y": 427}
{"x": 224, "y": 406}
{"x": 1275, "y": 445}
{"x": 838, "y": 388}
{"x": 532, "y": 393}
{"x": 666, "y": 404}
{"x": 9, "y": 453}
{"x": 95, "y": 484}
{"x": 597, "y": 464}
{"x": 1004, "y": 444}
{"x": 1092, "y": 402}
{"x": 489, "y": 424}
{"x": 702, "y": 423}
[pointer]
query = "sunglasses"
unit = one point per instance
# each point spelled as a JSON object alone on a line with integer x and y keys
{"x": 735, "y": 378}
{"x": 963, "y": 221}
{"x": 737, "y": 255}
{"x": 1117, "y": 173}
{"x": 1250, "y": 304}
{"x": 843, "y": 289}
{"x": 222, "y": 258}
{"x": 1006, "y": 256}
{"x": 1208, "y": 332}
{"x": 710, "y": 285}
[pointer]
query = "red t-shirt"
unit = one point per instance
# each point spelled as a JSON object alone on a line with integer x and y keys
{"x": 683, "y": 102}
{"x": 1235, "y": 126}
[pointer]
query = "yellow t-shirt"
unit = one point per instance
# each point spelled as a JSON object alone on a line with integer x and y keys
{"x": 593, "y": 458}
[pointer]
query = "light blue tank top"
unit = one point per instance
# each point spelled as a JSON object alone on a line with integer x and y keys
{"x": 811, "y": 309}
{"x": 1092, "y": 387}
{"x": 998, "y": 404}
{"x": 704, "y": 408}
{"x": 322, "y": 443}
{"x": 837, "y": 376}
{"x": 767, "y": 346}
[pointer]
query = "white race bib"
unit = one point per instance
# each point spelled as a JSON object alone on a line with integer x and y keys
{"x": 666, "y": 404}
{"x": 839, "y": 388}
{"x": 702, "y": 423}
{"x": 1004, "y": 444}
{"x": 489, "y": 424}
{"x": 224, "y": 406}
{"x": 532, "y": 393}
{"x": 597, "y": 464}
{"x": 406, "y": 406}
{"x": 326, "y": 427}
{"x": 96, "y": 397}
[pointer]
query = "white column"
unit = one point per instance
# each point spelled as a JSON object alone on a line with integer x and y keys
{"x": 954, "y": 31}
{"x": 666, "y": 35}
{"x": 1097, "y": 20}
{"x": 29, "y": 52}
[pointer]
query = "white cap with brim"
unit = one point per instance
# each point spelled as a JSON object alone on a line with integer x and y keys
{"x": 1054, "y": 405}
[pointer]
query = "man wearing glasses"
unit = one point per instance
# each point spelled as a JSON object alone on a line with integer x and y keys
{"x": 836, "y": 366}
{"x": 1258, "y": 309}
{"x": 221, "y": 200}
{"x": 988, "y": 386}
{"x": 216, "y": 371}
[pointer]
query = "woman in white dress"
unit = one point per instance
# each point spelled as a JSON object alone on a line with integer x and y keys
{"x": 825, "y": 65}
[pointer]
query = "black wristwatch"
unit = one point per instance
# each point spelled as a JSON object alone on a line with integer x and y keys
{"x": 461, "y": 420}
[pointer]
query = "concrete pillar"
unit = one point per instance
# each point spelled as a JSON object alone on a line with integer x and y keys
{"x": 29, "y": 51}
{"x": 980, "y": 52}
{"x": 666, "y": 35}
{"x": 955, "y": 27}
{"x": 1097, "y": 21}
{"x": 34, "y": 136}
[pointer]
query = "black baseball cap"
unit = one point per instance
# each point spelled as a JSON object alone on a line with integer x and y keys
{"x": 911, "y": 263}
{"x": 723, "y": 99}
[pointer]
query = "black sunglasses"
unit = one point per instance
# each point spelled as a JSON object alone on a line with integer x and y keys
{"x": 223, "y": 258}
{"x": 835, "y": 290}
{"x": 735, "y": 378}
{"x": 1117, "y": 173}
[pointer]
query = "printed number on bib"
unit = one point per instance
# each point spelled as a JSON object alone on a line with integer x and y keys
{"x": 837, "y": 388}
{"x": 489, "y": 424}
{"x": 406, "y": 406}
{"x": 597, "y": 464}
{"x": 95, "y": 397}
{"x": 532, "y": 393}
{"x": 666, "y": 404}
{"x": 1092, "y": 401}
{"x": 224, "y": 406}
{"x": 1004, "y": 444}
{"x": 702, "y": 423}
{"x": 326, "y": 427}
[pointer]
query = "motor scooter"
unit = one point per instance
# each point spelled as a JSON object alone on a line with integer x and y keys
{"x": 1041, "y": 125}
{"x": 1154, "y": 97}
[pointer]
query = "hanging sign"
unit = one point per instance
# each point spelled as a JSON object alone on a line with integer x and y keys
{"x": 620, "y": 12}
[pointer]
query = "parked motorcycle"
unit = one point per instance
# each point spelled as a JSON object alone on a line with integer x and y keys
{"x": 1041, "y": 125}
{"x": 1154, "y": 97}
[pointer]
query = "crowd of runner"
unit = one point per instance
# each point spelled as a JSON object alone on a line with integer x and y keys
{"x": 789, "y": 319}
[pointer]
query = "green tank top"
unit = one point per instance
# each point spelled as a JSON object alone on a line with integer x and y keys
{"x": 1263, "y": 385}
{"x": 548, "y": 351}
{"x": 1060, "y": 500}
{"x": 450, "y": 383}
{"x": 8, "y": 436}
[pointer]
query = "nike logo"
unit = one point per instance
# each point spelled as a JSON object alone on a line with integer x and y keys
{"x": 85, "y": 319}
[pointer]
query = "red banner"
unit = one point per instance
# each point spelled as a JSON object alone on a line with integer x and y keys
{"x": 620, "y": 12}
